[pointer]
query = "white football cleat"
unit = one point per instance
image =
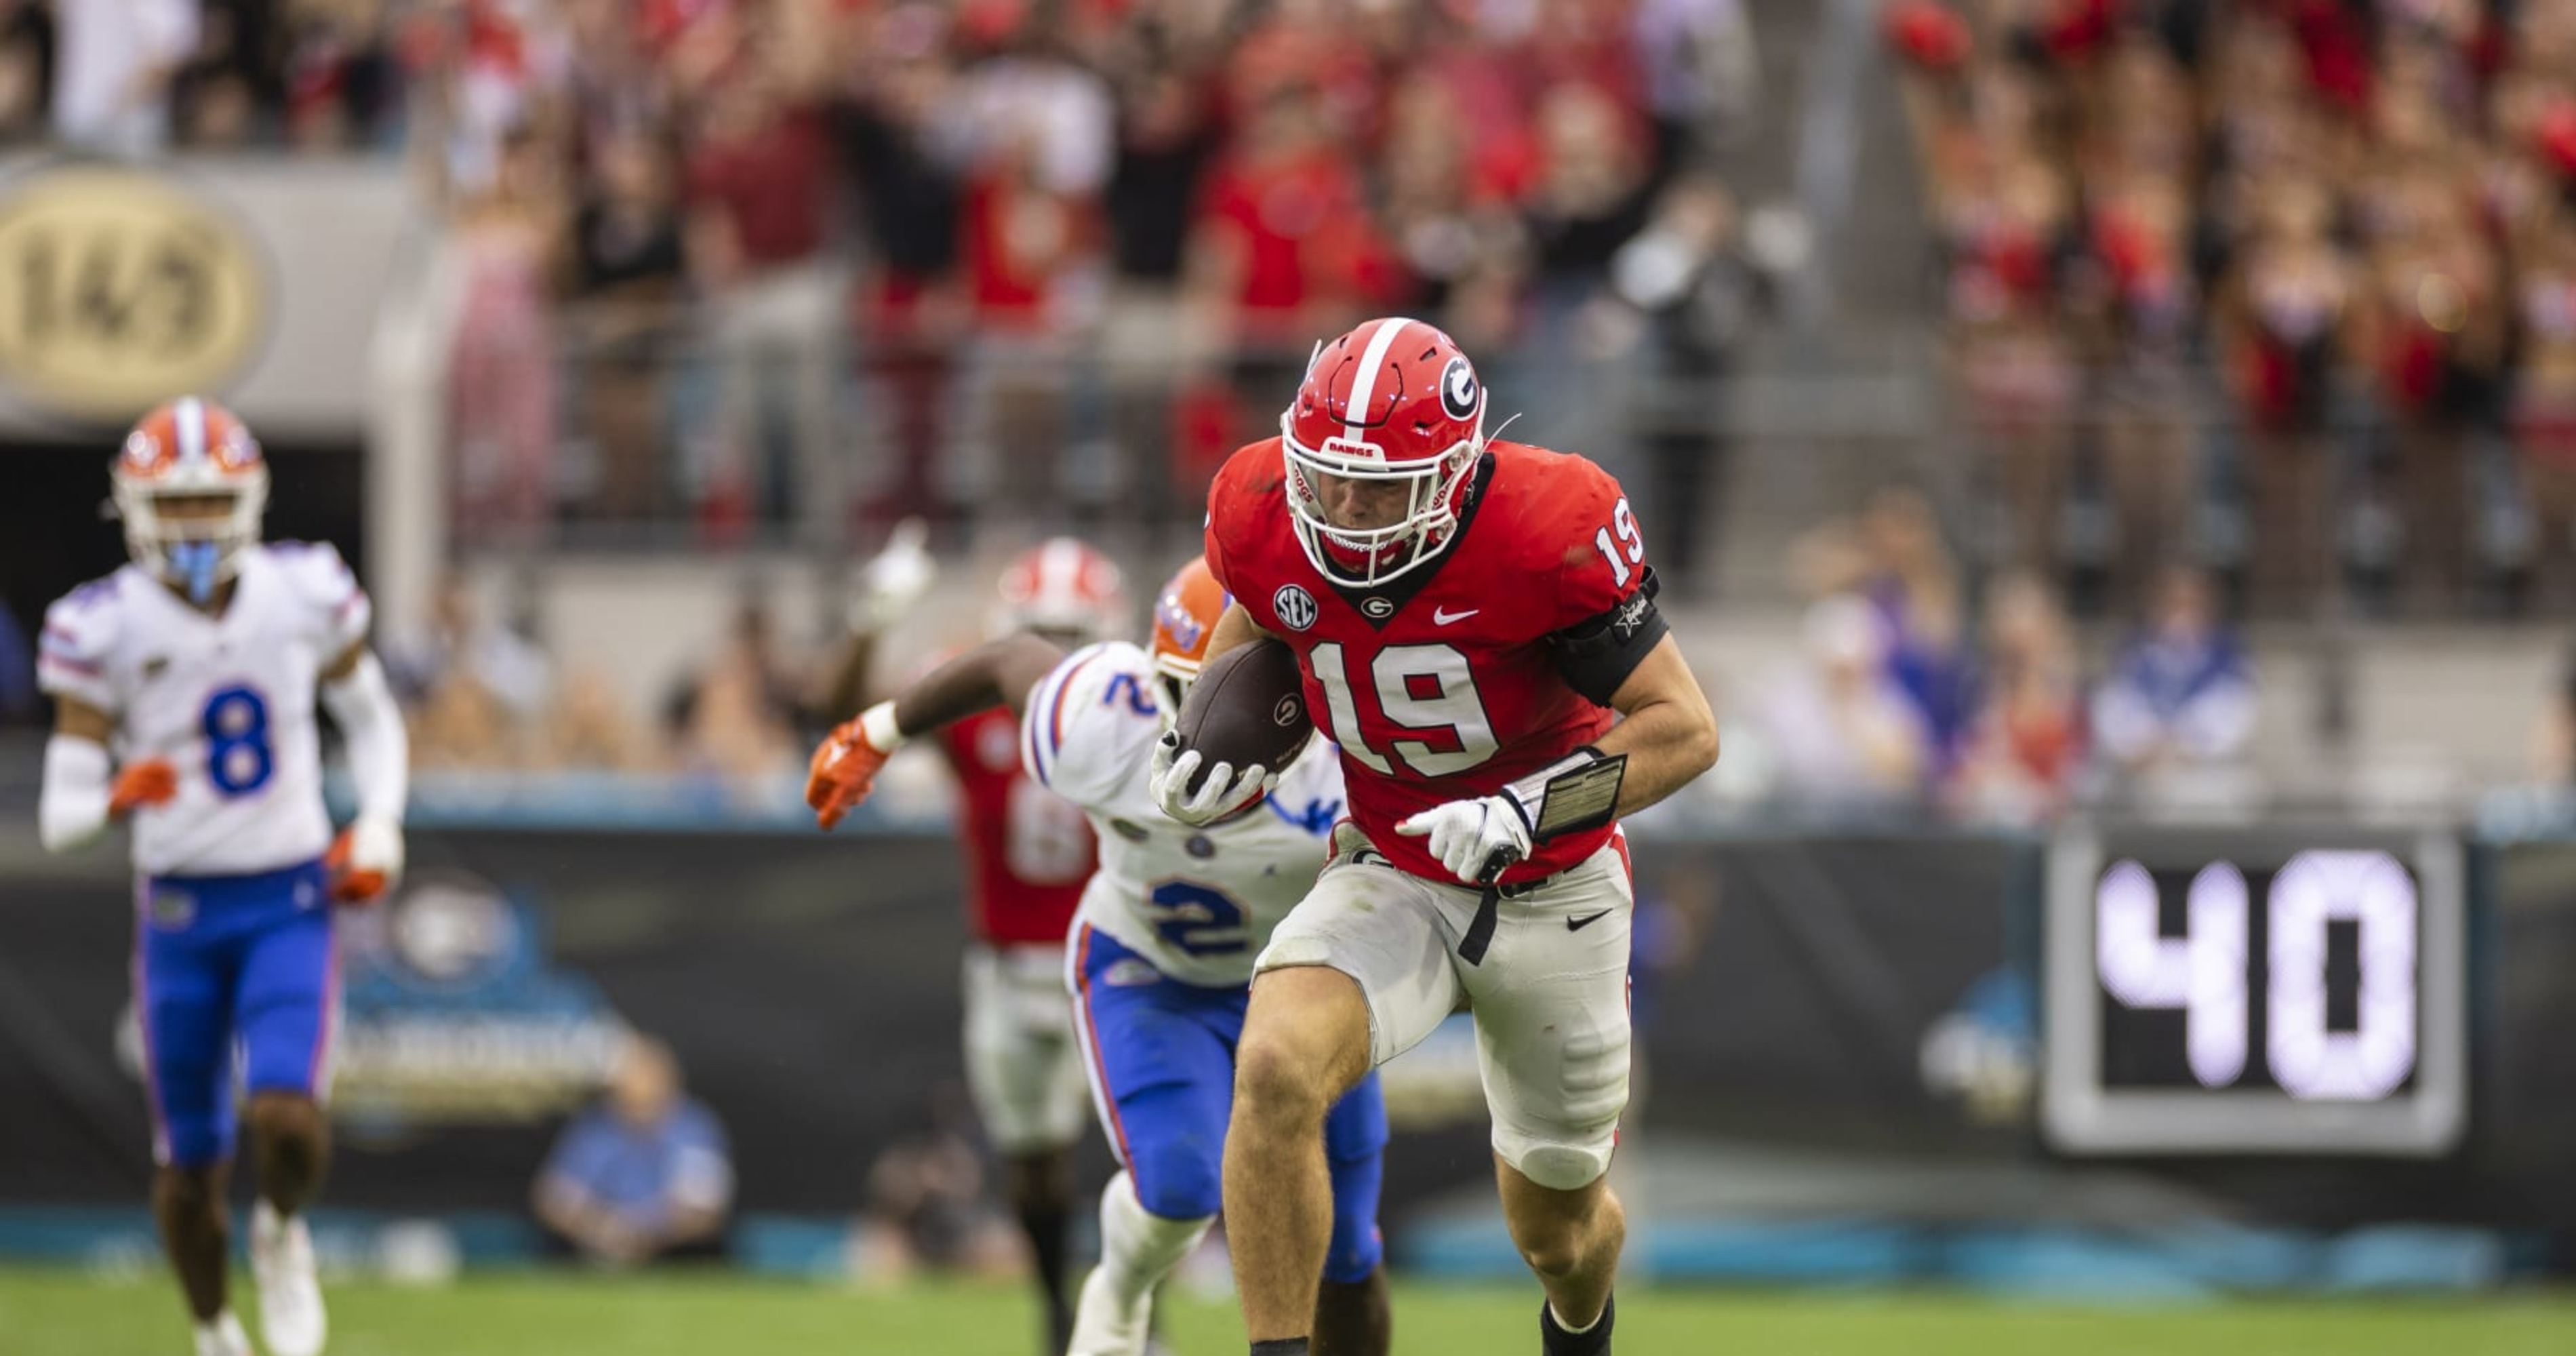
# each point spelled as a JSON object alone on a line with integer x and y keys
{"x": 223, "y": 1337}
{"x": 291, "y": 1320}
{"x": 1100, "y": 1329}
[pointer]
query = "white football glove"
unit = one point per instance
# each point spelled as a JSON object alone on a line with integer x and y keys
{"x": 1475, "y": 840}
{"x": 1222, "y": 792}
{"x": 366, "y": 860}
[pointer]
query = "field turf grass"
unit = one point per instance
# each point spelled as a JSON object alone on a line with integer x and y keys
{"x": 62, "y": 1313}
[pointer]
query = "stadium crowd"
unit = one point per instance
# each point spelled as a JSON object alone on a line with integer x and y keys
{"x": 827, "y": 263}
{"x": 2321, "y": 252}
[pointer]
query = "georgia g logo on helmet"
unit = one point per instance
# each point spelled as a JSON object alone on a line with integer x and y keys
{"x": 1393, "y": 404}
{"x": 1458, "y": 392}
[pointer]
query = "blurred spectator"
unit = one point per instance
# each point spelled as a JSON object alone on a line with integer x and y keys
{"x": 1282, "y": 253}
{"x": 1893, "y": 555}
{"x": 1703, "y": 79}
{"x": 737, "y": 717}
{"x": 644, "y": 1176}
{"x": 2544, "y": 403}
{"x": 1168, "y": 131}
{"x": 1701, "y": 292}
{"x": 2553, "y": 744}
{"x": 2282, "y": 317}
{"x": 340, "y": 79}
{"x": 473, "y": 686}
{"x": 758, "y": 197}
{"x": 1038, "y": 132}
{"x": 589, "y": 730}
{"x": 623, "y": 316}
{"x": 26, "y": 70}
{"x": 2008, "y": 234}
{"x": 2026, "y": 747}
{"x": 927, "y": 1207}
{"x": 17, "y": 670}
{"x": 113, "y": 65}
{"x": 1843, "y": 735}
{"x": 502, "y": 416}
{"x": 2180, "y": 695}
{"x": 896, "y": 128}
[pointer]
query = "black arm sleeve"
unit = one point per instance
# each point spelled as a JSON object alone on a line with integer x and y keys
{"x": 1596, "y": 656}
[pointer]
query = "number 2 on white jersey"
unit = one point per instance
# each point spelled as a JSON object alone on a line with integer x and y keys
{"x": 1453, "y": 705}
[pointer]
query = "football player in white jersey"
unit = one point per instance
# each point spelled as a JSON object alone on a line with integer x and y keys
{"x": 1162, "y": 949}
{"x": 185, "y": 685}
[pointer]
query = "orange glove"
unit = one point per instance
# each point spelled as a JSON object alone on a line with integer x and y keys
{"x": 363, "y": 861}
{"x": 842, "y": 774}
{"x": 150, "y": 782}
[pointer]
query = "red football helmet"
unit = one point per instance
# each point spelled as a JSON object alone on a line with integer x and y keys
{"x": 1395, "y": 402}
{"x": 195, "y": 450}
{"x": 1184, "y": 617}
{"x": 1062, "y": 589}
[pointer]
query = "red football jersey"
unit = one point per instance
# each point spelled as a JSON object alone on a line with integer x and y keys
{"x": 1028, "y": 850}
{"x": 1441, "y": 684}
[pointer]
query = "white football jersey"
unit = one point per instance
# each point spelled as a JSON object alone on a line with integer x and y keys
{"x": 228, "y": 700}
{"x": 1200, "y": 903}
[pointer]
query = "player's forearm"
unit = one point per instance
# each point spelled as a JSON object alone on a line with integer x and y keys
{"x": 1667, "y": 745}
{"x": 847, "y": 690}
{"x": 72, "y": 810}
{"x": 1001, "y": 673}
{"x": 362, "y": 704}
{"x": 1234, "y": 629}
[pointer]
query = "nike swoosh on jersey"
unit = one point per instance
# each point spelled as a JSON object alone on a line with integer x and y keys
{"x": 1579, "y": 924}
{"x": 1441, "y": 616}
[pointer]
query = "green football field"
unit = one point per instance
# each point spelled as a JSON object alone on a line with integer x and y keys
{"x": 66, "y": 1314}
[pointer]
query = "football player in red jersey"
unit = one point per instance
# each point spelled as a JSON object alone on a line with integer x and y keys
{"x": 1028, "y": 854}
{"x": 1468, "y": 615}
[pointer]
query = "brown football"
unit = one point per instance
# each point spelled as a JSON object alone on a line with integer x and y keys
{"x": 1249, "y": 706}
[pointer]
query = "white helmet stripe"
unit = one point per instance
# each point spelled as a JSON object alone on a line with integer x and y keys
{"x": 1059, "y": 572}
{"x": 188, "y": 417}
{"x": 1364, "y": 388}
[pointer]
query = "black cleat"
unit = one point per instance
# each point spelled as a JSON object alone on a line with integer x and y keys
{"x": 1592, "y": 1341}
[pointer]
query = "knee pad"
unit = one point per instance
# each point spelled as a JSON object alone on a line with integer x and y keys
{"x": 1558, "y": 1167}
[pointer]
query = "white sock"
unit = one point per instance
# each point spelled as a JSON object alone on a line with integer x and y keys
{"x": 1138, "y": 1248}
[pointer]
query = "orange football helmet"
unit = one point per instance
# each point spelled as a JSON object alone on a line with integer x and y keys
{"x": 1184, "y": 618}
{"x": 194, "y": 450}
{"x": 1063, "y": 590}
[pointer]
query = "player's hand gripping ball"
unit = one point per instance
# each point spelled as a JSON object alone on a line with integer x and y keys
{"x": 149, "y": 782}
{"x": 1245, "y": 717}
{"x": 842, "y": 774}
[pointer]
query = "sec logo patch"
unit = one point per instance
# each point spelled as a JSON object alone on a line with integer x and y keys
{"x": 1295, "y": 607}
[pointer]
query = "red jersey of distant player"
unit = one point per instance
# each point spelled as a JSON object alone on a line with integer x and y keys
{"x": 1455, "y": 691}
{"x": 1028, "y": 850}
